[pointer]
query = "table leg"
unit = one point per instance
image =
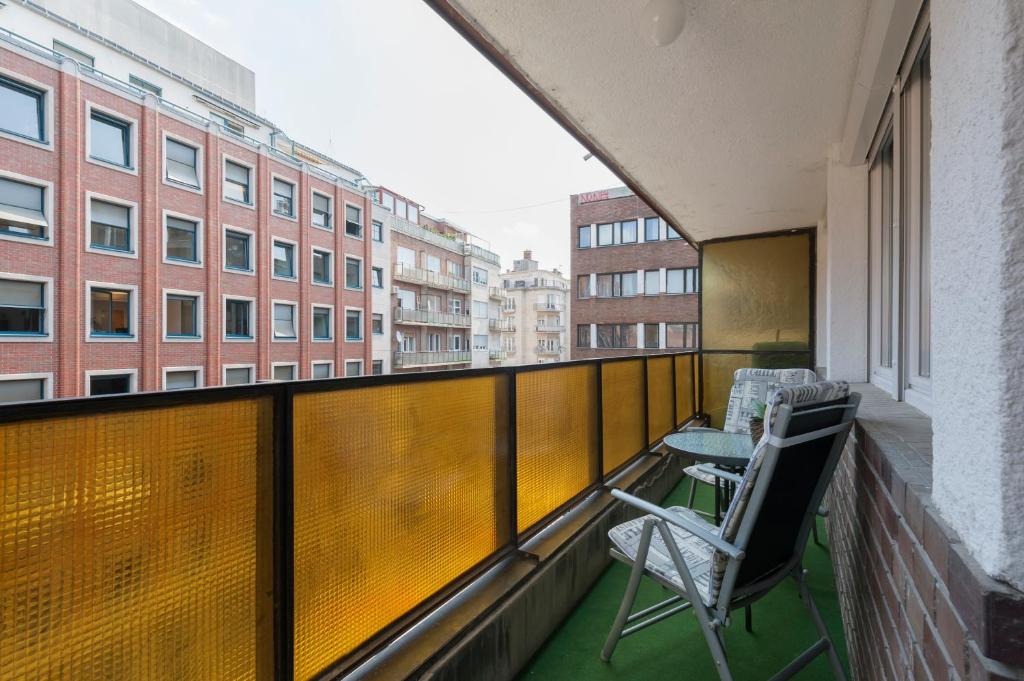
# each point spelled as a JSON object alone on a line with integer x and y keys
{"x": 718, "y": 501}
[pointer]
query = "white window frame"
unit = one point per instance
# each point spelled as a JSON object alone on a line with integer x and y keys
{"x": 362, "y": 325}
{"x": 312, "y": 250}
{"x": 333, "y": 323}
{"x": 133, "y": 138}
{"x": 251, "y": 272}
{"x": 200, "y": 238}
{"x": 133, "y": 312}
{"x": 200, "y": 378}
{"x": 45, "y": 376}
{"x": 362, "y": 273}
{"x": 296, "y": 259}
{"x": 333, "y": 213}
{"x": 200, "y": 162}
{"x": 354, "y": 361}
{"x": 253, "y": 313}
{"x": 132, "y": 373}
{"x": 133, "y": 226}
{"x": 294, "y": 217}
{"x": 225, "y": 157}
{"x": 48, "y": 96}
{"x": 200, "y": 316}
{"x": 295, "y": 321}
{"x": 47, "y": 283}
{"x": 362, "y": 221}
{"x": 317, "y": 362}
{"x": 294, "y": 365}
{"x": 224, "y": 373}
{"x": 47, "y": 187}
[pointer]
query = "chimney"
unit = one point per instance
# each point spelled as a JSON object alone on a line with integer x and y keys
{"x": 527, "y": 255}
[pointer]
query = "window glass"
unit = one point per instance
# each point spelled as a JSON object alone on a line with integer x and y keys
{"x": 604, "y": 234}
{"x": 652, "y": 282}
{"x": 22, "y": 389}
{"x": 672, "y": 233}
{"x": 109, "y": 140}
{"x": 388, "y": 201}
{"x": 353, "y": 221}
{"x": 322, "y": 370}
{"x": 284, "y": 259}
{"x": 651, "y": 229}
{"x": 236, "y": 251}
{"x": 353, "y": 369}
{"x": 22, "y": 209}
{"x": 400, "y": 208}
{"x": 237, "y": 376}
{"x": 321, "y": 210}
{"x": 378, "y": 367}
{"x": 181, "y": 164}
{"x": 181, "y": 380}
{"x": 377, "y": 323}
{"x": 675, "y": 281}
{"x": 353, "y": 325}
{"x": 236, "y": 319}
{"x": 628, "y": 284}
{"x": 21, "y": 110}
{"x": 181, "y": 239}
{"x": 616, "y": 335}
{"x": 22, "y": 307}
{"x": 353, "y": 273}
{"x": 406, "y": 299}
{"x": 378, "y": 231}
{"x": 110, "y": 226}
{"x": 479, "y": 275}
{"x": 322, "y": 323}
{"x": 583, "y": 335}
{"x": 284, "y": 372}
{"x": 629, "y": 232}
{"x": 321, "y": 267}
{"x": 414, "y": 214}
{"x": 110, "y": 384}
{"x": 182, "y": 312}
{"x": 405, "y": 256}
{"x": 583, "y": 286}
{"x": 284, "y": 320}
{"x": 377, "y": 274}
{"x": 583, "y": 236}
{"x": 433, "y": 263}
{"x": 236, "y": 182}
{"x": 110, "y": 312}
{"x": 681, "y": 335}
{"x": 652, "y": 336}
{"x": 284, "y": 193}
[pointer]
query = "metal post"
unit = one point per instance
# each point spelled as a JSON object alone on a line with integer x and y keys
{"x": 513, "y": 481}
{"x": 284, "y": 528}
{"x": 647, "y": 408}
{"x": 599, "y": 367}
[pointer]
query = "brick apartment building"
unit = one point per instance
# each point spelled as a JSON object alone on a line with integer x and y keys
{"x": 634, "y": 279}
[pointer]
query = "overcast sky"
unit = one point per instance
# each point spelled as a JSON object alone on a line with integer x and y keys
{"x": 389, "y": 88}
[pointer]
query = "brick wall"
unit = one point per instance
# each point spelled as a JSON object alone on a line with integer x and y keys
{"x": 915, "y": 604}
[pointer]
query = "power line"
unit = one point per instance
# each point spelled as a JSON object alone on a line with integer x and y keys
{"x": 502, "y": 210}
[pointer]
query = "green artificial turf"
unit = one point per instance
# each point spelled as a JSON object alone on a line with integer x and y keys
{"x": 675, "y": 648}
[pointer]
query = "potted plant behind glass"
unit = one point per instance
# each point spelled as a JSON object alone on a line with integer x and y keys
{"x": 757, "y": 421}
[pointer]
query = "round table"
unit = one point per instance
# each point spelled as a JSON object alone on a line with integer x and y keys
{"x": 728, "y": 450}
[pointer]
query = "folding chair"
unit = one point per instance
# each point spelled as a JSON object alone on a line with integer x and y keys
{"x": 714, "y": 570}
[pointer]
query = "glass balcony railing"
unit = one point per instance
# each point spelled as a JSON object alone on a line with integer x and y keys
{"x": 415, "y": 231}
{"x": 405, "y": 315}
{"x": 497, "y": 293}
{"x": 502, "y": 325}
{"x": 549, "y": 307}
{"x": 474, "y": 251}
{"x": 497, "y": 355}
{"x": 550, "y": 327}
{"x": 543, "y": 349}
{"x": 424, "y": 359}
{"x": 418, "y": 275}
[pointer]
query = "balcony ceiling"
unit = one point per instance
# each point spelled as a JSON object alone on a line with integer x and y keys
{"x": 726, "y": 130}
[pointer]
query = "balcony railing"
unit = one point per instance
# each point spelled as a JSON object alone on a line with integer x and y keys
{"x": 550, "y": 307}
{"x": 550, "y": 350}
{"x": 502, "y": 325}
{"x": 418, "y": 275}
{"x": 550, "y": 328}
{"x": 415, "y": 231}
{"x": 425, "y": 359}
{"x": 474, "y": 251}
{"x": 404, "y": 315}
{"x": 497, "y": 355}
{"x": 497, "y": 293}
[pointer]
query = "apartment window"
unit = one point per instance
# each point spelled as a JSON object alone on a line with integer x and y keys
{"x": 322, "y": 267}
{"x": 605, "y": 234}
{"x": 628, "y": 232}
{"x": 284, "y": 321}
{"x": 181, "y": 379}
{"x": 455, "y": 306}
{"x": 377, "y": 367}
{"x": 353, "y": 325}
{"x": 652, "y": 229}
{"x": 353, "y": 273}
{"x": 21, "y": 110}
{"x": 652, "y": 282}
{"x": 616, "y": 335}
{"x": 414, "y": 214}
{"x": 671, "y": 232}
{"x": 377, "y": 277}
{"x": 616, "y": 285}
{"x": 237, "y": 250}
{"x": 377, "y": 324}
{"x": 354, "y": 221}
{"x": 652, "y": 336}
{"x": 182, "y": 316}
{"x": 322, "y": 323}
{"x": 479, "y": 342}
{"x": 145, "y": 85}
{"x": 110, "y": 226}
{"x": 182, "y": 239}
{"x": 109, "y": 140}
{"x": 406, "y": 299}
{"x": 22, "y": 209}
{"x": 22, "y": 389}
{"x": 237, "y": 182}
{"x": 583, "y": 335}
{"x": 284, "y": 259}
{"x": 432, "y": 263}
{"x": 181, "y": 164}
{"x": 22, "y": 308}
{"x": 479, "y": 275}
{"x": 322, "y": 370}
{"x": 110, "y": 384}
{"x": 322, "y": 211}
{"x": 455, "y": 269}
{"x": 284, "y": 372}
{"x": 110, "y": 312}
{"x": 681, "y": 335}
{"x": 378, "y": 231}
{"x": 237, "y": 318}
{"x": 433, "y": 342}
{"x": 284, "y": 198}
{"x": 583, "y": 286}
{"x": 583, "y": 236}
{"x": 684, "y": 280}
{"x": 388, "y": 201}
{"x": 400, "y": 208}
{"x": 237, "y": 375}
{"x": 74, "y": 53}
{"x": 353, "y": 368}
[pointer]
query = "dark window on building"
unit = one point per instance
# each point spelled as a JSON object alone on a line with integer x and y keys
{"x": 182, "y": 164}
{"x": 681, "y": 335}
{"x": 110, "y": 140}
{"x": 378, "y": 231}
{"x": 182, "y": 239}
{"x": 353, "y": 325}
{"x": 22, "y": 307}
{"x": 322, "y": 211}
{"x": 110, "y": 384}
{"x": 616, "y": 336}
{"x": 583, "y": 286}
{"x": 322, "y": 323}
{"x": 284, "y": 260}
{"x": 237, "y": 376}
{"x": 182, "y": 316}
{"x": 110, "y": 226}
{"x": 652, "y": 337}
{"x": 322, "y": 370}
{"x": 377, "y": 277}
{"x": 110, "y": 312}
{"x": 322, "y": 267}
{"x": 354, "y": 221}
{"x": 377, "y": 323}
{"x": 237, "y": 182}
{"x": 377, "y": 367}
{"x": 583, "y": 236}
{"x": 236, "y": 251}
{"x": 353, "y": 273}
{"x": 236, "y": 319}
{"x": 583, "y": 335}
{"x": 22, "y": 209}
{"x": 21, "y": 110}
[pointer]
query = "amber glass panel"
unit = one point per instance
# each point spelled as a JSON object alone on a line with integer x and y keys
{"x": 685, "y": 393}
{"x": 399, "y": 489}
{"x": 659, "y": 397}
{"x": 622, "y": 388}
{"x": 756, "y": 293}
{"x": 128, "y": 543}
{"x": 719, "y": 370}
{"x": 556, "y": 438}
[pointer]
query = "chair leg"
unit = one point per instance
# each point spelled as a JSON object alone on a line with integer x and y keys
{"x": 814, "y": 531}
{"x": 693, "y": 493}
{"x": 630, "y": 596}
{"x": 748, "y": 617}
{"x": 819, "y": 624}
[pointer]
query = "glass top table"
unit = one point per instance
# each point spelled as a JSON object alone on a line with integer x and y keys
{"x": 731, "y": 450}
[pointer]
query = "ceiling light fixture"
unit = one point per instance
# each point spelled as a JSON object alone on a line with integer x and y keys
{"x": 667, "y": 17}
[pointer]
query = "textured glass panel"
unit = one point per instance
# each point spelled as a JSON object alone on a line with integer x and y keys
{"x": 556, "y": 454}
{"x": 394, "y": 499}
{"x": 622, "y": 388}
{"x": 719, "y": 369}
{"x": 685, "y": 389}
{"x": 128, "y": 543}
{"x": 659, "y": 397}
{"x": 757, "y": 291}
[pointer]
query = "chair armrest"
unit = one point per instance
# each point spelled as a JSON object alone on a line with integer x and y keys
{"x": 719, "y": 473}
{"x": 680, "y": 521}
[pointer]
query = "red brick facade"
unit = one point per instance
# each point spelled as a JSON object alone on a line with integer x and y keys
{"x": 70, "y": 352}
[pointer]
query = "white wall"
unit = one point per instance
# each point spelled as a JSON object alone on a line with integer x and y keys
{"x": 380, "y": 299}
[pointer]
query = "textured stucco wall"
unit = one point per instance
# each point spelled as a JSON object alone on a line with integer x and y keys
{"x": 978, "y": 286}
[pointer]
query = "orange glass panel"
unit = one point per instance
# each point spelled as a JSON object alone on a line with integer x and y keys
{"x": 128, "y": 543}
{"x": 685, "y": 397}
{"x": 659, "y": 398}
{"x": 622, "y": 388}
{"x": 556, "y": 438}
{"x": 756, "y": 293}
{"x": 398, "y": 490}
{"x": 717, "y": 375}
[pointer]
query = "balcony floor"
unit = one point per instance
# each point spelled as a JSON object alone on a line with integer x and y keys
{"x": 675, "y": 649}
